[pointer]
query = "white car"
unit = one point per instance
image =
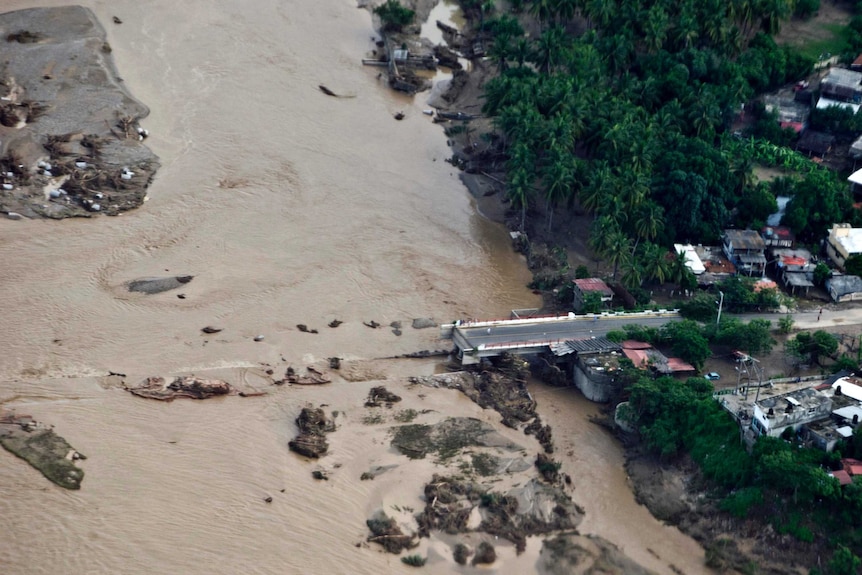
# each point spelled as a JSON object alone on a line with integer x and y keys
{"x": 712, "y": 376}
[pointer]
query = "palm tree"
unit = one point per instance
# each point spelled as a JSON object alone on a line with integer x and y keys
{"x": 655, "y": 263}
{"x": 678, "y": 270}
{"x": 633, "y": 273}
{"x": 617, "y": 250}
{"x": 649, "y": 221}
{"x": 558, "y": 177}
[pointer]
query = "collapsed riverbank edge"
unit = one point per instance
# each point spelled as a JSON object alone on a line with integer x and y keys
{"x": 674, "y": 493}
{"x": 71, "y": 143}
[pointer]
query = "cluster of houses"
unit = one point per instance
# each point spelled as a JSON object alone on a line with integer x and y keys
{"x": 840, "y": 87}
{"x": 820, "y": 414}
{"x": 754, "y": 253}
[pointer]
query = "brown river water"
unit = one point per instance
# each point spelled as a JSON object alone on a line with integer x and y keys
{"x": 288, "y": 207}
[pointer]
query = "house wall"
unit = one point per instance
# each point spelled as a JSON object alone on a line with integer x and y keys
{"x": 595, "y": 386}
{"x": 775, "y": 425}
{"x": 855, "y": 296}
{"x": 836, "y": 253}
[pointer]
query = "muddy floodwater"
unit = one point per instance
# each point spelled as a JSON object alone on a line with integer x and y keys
{"x": 288, "y": 207}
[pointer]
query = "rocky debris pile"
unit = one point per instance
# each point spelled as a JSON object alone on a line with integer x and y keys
{"x": 379, "y": 395}
{"x": 156, "y": 285}
{"x": 532, "y": 509}
{"x": 168, "y": 389}
{"x": 502, "y": 390}
{"x": 313, "y": 427}
{"x": 448, "y": 437}
{"x": 312, "y": 377}
{"x": 572, "y": 553}
{"x": 386, "y": 532}
{"x": 39, "y": 446}
{"x": 71, "y": 143}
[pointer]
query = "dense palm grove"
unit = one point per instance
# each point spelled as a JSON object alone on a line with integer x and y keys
{"x": 629, "y": 118}
{"x": 624, "y": 108}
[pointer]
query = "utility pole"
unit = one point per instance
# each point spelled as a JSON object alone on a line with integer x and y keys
{"x": 720, "y": 303}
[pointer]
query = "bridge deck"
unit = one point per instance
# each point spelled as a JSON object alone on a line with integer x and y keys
{"x": 478, "y": 339}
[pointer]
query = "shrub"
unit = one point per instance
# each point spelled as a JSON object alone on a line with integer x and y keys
{"x": 413, "y": 560}
{"x": 394, "y": 16}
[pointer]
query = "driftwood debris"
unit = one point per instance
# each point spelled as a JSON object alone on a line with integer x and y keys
{"x": 168, "y": 389}
{"x": 313, "y": 427}
{"x": 312, "y": 377}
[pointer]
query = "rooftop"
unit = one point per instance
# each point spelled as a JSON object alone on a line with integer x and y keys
{"x": 801, "y": 398}
{"x": 744, "y": 239}
{"x": 816, "y": 142}
{"x": 593, "y": 284}
{"x": 847, "y": 237}
{"x": 692, "y": 260}
{"x": 843, "y": 285}
{"x": 842, "y": 77}
{"x": 777, "y": 233}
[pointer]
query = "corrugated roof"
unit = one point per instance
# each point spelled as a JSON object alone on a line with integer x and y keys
{"x": 590, "y": 345}
{"x": 745, "y": 239}
{"x": 593, "y": 284}
{"x": 677, "y": 365}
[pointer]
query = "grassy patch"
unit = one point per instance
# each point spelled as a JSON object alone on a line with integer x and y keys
{"x": 406, "y": 415}
{"x": 485, "y": 464}
{"x": 830, "y": 38}
{"x": 46, "y": 451}
{"x": 373, "y": 419}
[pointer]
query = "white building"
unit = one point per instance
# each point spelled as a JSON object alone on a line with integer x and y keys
{"x": 843, "y": 241}
{"x": 692, "y": 260}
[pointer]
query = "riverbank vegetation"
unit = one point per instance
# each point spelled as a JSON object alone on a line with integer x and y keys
{"x": 632, "y": 111}
{"x": 643, "y": 115}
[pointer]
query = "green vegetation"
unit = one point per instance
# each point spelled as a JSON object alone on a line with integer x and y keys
{"x": 414, "y": 560}
{"x": 394, "y": 16}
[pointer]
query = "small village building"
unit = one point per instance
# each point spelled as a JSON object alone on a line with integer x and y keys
{"x": 815, "y": 143}
{"x": 843, "y": 288}
{"x": 581, "y": 287}
{"x": 772, "y": 415}
{"x": 856, "y": 66}
{"x": 793, "y": 269}
{"x": 778, "y": 237}
{"x": 849, "y": 415}
{"x": 824, "y": 434}
{"x": 842, "y": 476}
{"x": 692, "y": 260}
{"x": 791, "y": 113}
{"x": 745, "y": 249}
{"x": 595, "y": 363}
{"x": 855, "y": 150}
{"x": 842, "y": 242}
{"x": 645, "y": 356}
{"x": 841, "y": 87}
{"x": 849, "y": 386}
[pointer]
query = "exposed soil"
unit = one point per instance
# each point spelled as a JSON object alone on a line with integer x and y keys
{"x": 70, "y": 137}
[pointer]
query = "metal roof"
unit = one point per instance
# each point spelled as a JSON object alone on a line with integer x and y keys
{"x": 744, "y": 239}
{"x": 590, "y": 345}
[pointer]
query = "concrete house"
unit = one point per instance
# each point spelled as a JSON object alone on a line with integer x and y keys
{"x": 773, "y": 415}
{"x": 745, "y": 249}
{"x": 843, "y": 288}
{"x": 793, "y": 268}
{"x": 842, "y": 242}
{"x": 581, "y": 287}
{"x": 841, "y": 87}
{"x": 777, "y": 237}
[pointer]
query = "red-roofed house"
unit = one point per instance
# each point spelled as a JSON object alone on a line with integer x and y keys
{"x": 777, "y": 237}
{"x": 584, "y": 286}
{"x": 645, "y": 356}
{"x": 842, "y": 476}
{"x": 852, "y": 466}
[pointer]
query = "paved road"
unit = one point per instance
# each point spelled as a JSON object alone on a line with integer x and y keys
{"x": 562, "y": 330}
{"x": 584, "y": 328}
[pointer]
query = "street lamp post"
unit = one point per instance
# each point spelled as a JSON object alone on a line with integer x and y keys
{"x": 720, "y": 303}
